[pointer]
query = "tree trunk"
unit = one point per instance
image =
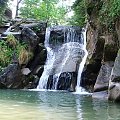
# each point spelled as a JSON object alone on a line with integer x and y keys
{"x": 17, "y": 7}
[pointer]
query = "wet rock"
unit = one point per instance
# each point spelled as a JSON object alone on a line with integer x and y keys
{"x": 103, "y": 95}
{"x": 12, "y": 77}
{"x": 29, "y": 37}
{"x": 39, "y": 59}
{"x": 38, "y": 27}
{"x": 114, "y": 84}
{"x": 32, "y": 33}
{"x": 58, "y": 33}
{"x": 33, "y": 82}
{"x": 93, "y": 64}
{"x": 102, "y": 81}
{"x": 66, "y": 81}
{"x": 38, "y": 70}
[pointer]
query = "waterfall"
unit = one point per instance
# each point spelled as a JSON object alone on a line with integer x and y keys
{"x": 66, "y": 56}
{"x": 79, "y": 89}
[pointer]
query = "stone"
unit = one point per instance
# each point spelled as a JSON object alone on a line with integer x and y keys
{"x": 12, "y": 77}
{"x": 29, "y": 37}
{"x": 25, "y": 71}
{"x": 38, "y": 70}
{"x": 39, "y": 59}
{"x": 103, "y": 95}
{"x": 38, "y": 27}
{"x": 102, "y": 81}
{"x": 95, "y": 47}
{"x": 110, "y": 52}
{"x": 33, "y": 82}
{"x": 114, "y": 83}
{"x": 66, "y": 81}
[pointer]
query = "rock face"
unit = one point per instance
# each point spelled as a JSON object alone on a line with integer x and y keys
{"x": 29, "y": 37}
{"x": 93, "y": 64}
{"x": 114, "y": 84}
{"x": 65, "y": 51}
{"x": 103, "y": 78}
{"x": 12, "y": 77}
{"x": 31, "y": 33}
{"x": 99, "y": 75}
{"x": 67, "y": 81}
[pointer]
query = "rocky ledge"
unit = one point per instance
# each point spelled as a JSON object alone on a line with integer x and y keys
{"x": 21, "y": 74}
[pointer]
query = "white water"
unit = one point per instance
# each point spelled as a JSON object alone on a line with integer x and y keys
{"x": 80, "y": 89}
{"x": 64, "y": 57}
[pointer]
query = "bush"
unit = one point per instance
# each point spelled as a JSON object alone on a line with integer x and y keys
{"x": 11, "y": 49}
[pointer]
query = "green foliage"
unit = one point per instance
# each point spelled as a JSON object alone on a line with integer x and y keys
{"x": 3, "y": 4}
{"x": 46, "y": 10}
{"x": 7, "y": 53}
{"x": 11, "y": 40}
{"x": 110, "y": 11}
{"x": 79, "y": 8}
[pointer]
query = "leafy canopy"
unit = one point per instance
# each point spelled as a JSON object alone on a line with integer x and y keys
{"x": 46, "y": 10}
{"x": 108, "y": 12}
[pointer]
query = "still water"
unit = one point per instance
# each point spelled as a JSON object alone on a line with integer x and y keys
{"x": 49, "y": 105}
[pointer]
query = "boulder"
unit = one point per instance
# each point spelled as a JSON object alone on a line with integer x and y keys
{"x": 38, "y": 59}
{"x": 38, "y": 27}
{"x": 33, "y": 82}
{"x": 66, "y": 81}
{"x": 114, "y": 84}
{"x": 29, "y": 37}
{"x": 102, "y": 81}
{"x": 12, "y": 77}
{"x": 38, "y": 70}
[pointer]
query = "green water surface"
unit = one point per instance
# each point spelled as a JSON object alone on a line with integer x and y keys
{"x": 49, "y": 105}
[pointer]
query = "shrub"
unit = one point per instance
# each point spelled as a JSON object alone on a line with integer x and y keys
{"x": 17, "y": 50}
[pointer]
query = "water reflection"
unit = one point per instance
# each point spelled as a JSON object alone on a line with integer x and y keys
{"x": 32, "y": 105}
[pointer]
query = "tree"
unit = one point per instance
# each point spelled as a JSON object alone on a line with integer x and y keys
{"x": 79, "y": 8}
{"x": 17, "y": 7}
{"x": 46, "y": 10}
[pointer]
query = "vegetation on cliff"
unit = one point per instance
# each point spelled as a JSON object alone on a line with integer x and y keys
{"x": 11, "y": 50}
{"x": 108, "y": 11}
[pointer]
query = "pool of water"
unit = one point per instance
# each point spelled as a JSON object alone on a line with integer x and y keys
{"x": 54, "y": 105}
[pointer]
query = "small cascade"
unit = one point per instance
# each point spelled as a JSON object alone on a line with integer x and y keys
{"x": 80, "y": 89}
{"x": 66, "y": 56}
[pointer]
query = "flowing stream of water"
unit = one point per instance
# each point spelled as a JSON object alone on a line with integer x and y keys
{"x": 65, "y": 57}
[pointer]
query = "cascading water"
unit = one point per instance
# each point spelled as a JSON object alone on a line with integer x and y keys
{"x": 66, "y": 56}
{"x": 81, "y": 66}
